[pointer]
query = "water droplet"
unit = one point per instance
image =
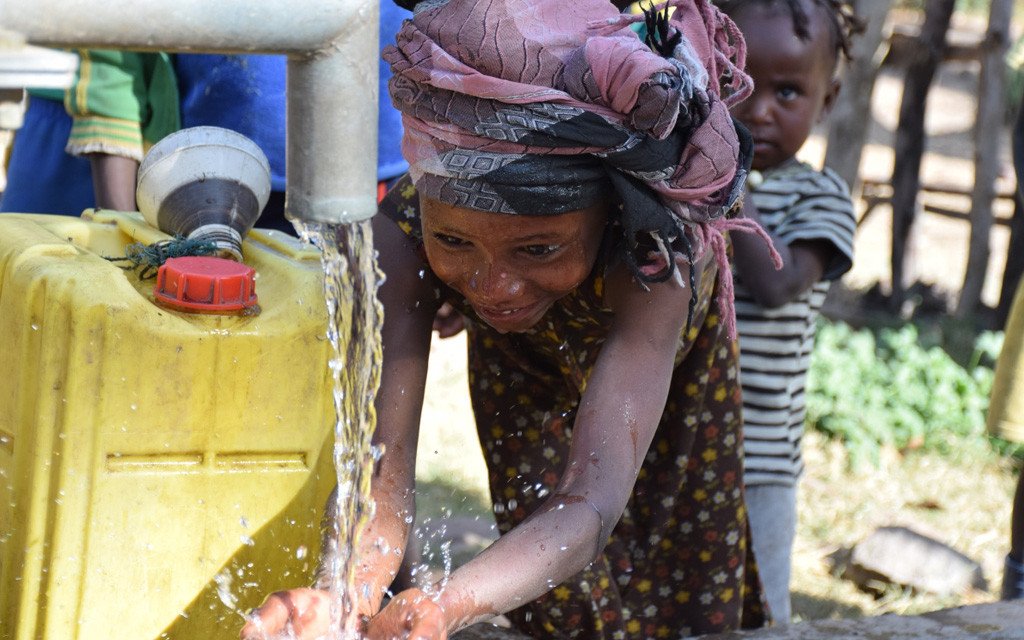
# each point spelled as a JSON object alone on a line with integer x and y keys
{"x": 223, "y": 581}
{"x": 301, "y": 552}
{"x": 246, "y": 540}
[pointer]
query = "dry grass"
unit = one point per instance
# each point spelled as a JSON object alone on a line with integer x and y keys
{"x": 963, "y": 501}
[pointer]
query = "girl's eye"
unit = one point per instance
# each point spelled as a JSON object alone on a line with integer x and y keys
{"x": 788, "y": 93}
{"x": 539, "y": 250}
{"x": 449, "y": 241}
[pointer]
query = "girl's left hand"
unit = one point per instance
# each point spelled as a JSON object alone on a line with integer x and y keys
{"x": 411, "y": 614}
{"x": 300, "y": 613}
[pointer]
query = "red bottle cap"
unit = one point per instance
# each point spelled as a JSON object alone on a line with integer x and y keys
{"x": 199, "y": 284}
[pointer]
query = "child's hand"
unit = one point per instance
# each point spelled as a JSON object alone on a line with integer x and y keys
{"x": 448, "y": 321}
{"x": 298, "y": 613}
{"x": 411, "y": 614}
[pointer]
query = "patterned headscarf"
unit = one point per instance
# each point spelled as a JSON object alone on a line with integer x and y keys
{"x": 540, "y": 107}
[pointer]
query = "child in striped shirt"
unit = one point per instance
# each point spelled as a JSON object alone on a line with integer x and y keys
{"x": 793, "y": 51}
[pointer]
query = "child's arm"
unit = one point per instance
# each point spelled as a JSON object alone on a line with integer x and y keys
{"x": 113, "y": 181}
{"x": 803, "y": 263}
{"x": 617, "y": 418}
{"x": 118, "y": 101}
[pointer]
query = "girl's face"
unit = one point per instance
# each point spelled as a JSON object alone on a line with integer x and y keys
{"x": 511, "y": 268}
{"x": 793, "y": 82}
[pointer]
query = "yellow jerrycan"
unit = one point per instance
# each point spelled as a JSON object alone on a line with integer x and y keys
{"x": 160, "y": 470}
{"x": 1006, "y": 408}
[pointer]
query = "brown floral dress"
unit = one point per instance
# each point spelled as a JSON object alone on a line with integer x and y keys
{"x": 678, "y": 562}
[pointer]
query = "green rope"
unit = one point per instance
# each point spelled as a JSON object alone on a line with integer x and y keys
{"x": 147, "y": 258}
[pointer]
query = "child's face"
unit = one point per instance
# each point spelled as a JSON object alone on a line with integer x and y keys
{"x": 511, "y": 268}
{"x": 793, "y": 83}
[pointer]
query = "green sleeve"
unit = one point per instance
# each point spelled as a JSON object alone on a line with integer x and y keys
{"x": 120, "y": 102}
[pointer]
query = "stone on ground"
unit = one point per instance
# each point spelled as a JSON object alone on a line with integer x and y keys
{"x": 904, "y": 557}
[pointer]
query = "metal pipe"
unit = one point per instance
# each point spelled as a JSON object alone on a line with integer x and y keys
{"x": 332, "y": 74}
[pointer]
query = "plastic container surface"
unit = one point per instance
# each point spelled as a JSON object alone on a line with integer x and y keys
{"x": 144, "y": 451}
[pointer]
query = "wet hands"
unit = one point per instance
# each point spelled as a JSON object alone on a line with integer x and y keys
{"x": 305, "y": 614}
{"x": 410, "y": 615}
{"x": 302, "y": 614}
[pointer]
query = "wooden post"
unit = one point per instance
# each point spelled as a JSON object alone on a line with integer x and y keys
{"x": 987, "y": 129}
{"x": 927, "y": 54}
{"x": 851, "y": 115}
{"x": 1015, "y": 250}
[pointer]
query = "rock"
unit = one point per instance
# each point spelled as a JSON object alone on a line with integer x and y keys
{"x": 901, "y": 556}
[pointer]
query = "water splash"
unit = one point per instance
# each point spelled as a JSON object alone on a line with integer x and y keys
{"x": 355, "y": 316}
{"x": 227, "y": 596}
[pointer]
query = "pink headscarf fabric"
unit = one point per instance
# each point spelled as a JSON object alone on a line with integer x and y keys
{"x": 488, "y": 86}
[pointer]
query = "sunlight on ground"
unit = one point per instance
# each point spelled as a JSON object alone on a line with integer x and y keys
{"x": 448, "y": 446}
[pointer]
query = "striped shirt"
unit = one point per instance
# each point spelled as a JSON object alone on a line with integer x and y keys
{"x": 796, "y": 202}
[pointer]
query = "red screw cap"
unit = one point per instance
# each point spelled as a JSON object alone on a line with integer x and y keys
{"x": 199, "y": 284}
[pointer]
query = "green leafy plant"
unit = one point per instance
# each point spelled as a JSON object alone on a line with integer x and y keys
{"x": 888, "y": 389}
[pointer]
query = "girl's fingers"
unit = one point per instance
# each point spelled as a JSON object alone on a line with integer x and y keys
{"x": 305, "y": 611}
{"x": 428, "y": 625}
{"x": 411, "y": 614}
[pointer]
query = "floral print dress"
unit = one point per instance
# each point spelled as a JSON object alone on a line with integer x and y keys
{"x": 678, "y": 562}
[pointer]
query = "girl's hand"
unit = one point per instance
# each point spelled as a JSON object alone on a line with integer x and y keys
{"x": 411, "y": 614}
{"x": 448, "y": 322}
{"x": 303, "y": 614}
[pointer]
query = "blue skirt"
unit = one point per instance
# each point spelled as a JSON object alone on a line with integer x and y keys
{"x": 41, "y": 176}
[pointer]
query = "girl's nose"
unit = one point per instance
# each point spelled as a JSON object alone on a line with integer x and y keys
{"x": 493, "y": 283}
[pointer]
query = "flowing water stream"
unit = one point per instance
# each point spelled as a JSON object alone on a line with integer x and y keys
{"x": 355, "y": 316}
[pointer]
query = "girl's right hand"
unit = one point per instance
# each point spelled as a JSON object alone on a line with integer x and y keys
{"x": 304, "y": 614}
{"x": 411, "y": 614}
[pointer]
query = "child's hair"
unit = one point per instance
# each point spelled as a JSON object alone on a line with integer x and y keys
{"x": 843, "y": 22}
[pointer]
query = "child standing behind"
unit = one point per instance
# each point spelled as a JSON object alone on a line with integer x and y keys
{"x": 793, "y": 49}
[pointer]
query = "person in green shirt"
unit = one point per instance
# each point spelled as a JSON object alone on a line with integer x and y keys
{"x": 81, "y": 148}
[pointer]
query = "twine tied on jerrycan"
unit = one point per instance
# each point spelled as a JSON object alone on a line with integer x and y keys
{"x": 205, "y": 186}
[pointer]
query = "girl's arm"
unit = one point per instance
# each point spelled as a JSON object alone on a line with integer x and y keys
{"x": 618, "y": 416}
{"x": 409, "y": 308}
{"x": 803, "y": 263}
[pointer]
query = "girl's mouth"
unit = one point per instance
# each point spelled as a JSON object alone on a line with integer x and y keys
{"x": 507, "y": 316}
